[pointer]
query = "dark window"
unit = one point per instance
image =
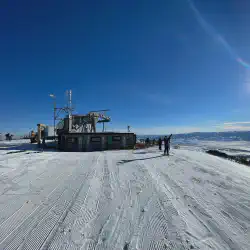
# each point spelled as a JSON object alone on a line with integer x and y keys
{"x": 116, "y": 138}
{"x": 72, "y": 139}
{"x": 95, "y": 139}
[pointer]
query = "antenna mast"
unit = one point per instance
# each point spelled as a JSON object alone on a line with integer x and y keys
{"x": 69, "y": 106}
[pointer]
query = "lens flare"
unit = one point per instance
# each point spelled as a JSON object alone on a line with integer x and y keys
{"x": 243, "y": 63}
{"x": 208, "y": 28}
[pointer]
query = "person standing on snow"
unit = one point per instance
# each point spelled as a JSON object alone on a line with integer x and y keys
{"x": 43, "y": 143}
{"x": 160, "y": 143}
{"x": 167, "y": 144}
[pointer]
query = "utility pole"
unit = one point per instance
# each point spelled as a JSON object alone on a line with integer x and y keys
{"x": 54, "y": 119}
{"x": 128, "y": 129}
{"x": 70, "y": 101}
{"x": 57, "y": 111}
{"x": 54, "y": 97}
{"x": 69, "y": 108}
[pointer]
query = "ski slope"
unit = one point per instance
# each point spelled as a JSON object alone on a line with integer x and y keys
{"x": 123, "y": 200}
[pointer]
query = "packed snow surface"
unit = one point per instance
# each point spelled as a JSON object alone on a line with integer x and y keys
{"x": 124, "y": 200}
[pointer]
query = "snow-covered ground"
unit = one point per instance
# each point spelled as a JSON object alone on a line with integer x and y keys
{"x": 126, "y": 200}
{"x": 229, "y": 147}
{"x": 15, "y": 145}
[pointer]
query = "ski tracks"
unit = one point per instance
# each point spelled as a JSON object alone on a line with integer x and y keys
{"x": 118, "y": 200}
{"x": 32, "y": 226}
{"x": 88, "y": 214}
{"x": 193, "y": 209}
{"x": 99, "y": 219}
{"x": 158, "y": 227}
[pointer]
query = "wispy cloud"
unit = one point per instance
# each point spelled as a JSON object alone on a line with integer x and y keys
{"x": 234, "y": 123}
{"x": 217, "y": 36}
{"x": 233, "y": 126}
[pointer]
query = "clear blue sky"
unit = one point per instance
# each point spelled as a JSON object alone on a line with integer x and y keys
{"x": 158, "y": 65}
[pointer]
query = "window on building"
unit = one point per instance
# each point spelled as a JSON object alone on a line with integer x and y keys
{"x": 72, "y": 140}
{"x": 95, "y": 139}
{"x": 116, "y": 138}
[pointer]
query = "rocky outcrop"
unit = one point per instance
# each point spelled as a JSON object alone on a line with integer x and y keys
{"x": 240, "y": 159}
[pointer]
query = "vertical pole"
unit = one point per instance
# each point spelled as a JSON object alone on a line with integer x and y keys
{"x": 103, "y": 127}
{"x": 54, "y": 119}
{"x": 70, "y": 99}
{"x": 69, "y": 102}
{"x": 38, "y": 134}
{"x": 69, "y": 110}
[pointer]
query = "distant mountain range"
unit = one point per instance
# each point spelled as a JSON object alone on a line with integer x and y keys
{"x": 212, "y": 136}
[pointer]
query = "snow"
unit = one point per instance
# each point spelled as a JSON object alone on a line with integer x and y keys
{"x": 228, "y": 147}
{"x": 122, "y": 200}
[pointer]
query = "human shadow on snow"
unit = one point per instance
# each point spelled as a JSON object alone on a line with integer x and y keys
{"x": 144, "y": 152}
{"x": 142, "y": 159}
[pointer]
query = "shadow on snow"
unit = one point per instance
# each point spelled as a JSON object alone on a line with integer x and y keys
{"x": 14, "y": 148}
{"x": 142, "y": 159}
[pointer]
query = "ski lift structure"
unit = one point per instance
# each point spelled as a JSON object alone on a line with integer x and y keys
{"x": 78, "y": 132}
{"x": 87, "y": 123}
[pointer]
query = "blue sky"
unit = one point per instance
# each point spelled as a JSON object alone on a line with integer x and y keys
{"x": 161, "y": 66}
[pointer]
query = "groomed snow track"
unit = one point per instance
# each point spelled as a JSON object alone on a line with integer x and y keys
{"x": 126, "y": 200}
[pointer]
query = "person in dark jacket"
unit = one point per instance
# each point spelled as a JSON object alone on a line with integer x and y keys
{"x": 43, "y": 143}
{"x": 167, "y": 144}
{"x": 7, "y": 136}
{"x": 160, "y": 143}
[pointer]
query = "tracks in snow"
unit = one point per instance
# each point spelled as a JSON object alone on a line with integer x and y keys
{"x": 193, "y": 208}
{"x": 120, "y": 207}
{"x": 32, "y": 226}
{"x": 114, "y": 200}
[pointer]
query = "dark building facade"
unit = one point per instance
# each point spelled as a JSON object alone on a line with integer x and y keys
{"x": 87, "y": 142}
